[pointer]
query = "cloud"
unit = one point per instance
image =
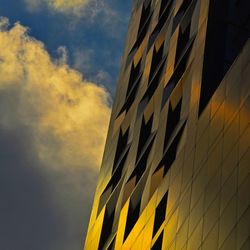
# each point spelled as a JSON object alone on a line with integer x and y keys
{"x": 72, "y": 7}
{"x": 53, "y": 126}
{"x": 106, "y": 10}
{"x": 84, "y": 60}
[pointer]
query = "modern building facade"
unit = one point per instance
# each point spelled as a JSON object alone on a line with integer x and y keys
{"x": 176, "y": 167}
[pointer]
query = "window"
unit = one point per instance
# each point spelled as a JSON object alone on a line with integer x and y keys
{"x": 134, "y": 75}
{"x": 145, "y": 18}
{"x": 158, "y": 243}
{"x": 145, "y": 133}
{"x": 178, "y": 73}
{"x": 106, "y": 227}
{"x": 112, "y": 245}
{"x": 160, "y": 213}
{"x": 182, "y": 11}
{"x": 182, "y": 42}
{"x": 156, "y": 60}
{"x": 172, "y": 120}
{"x": 165, "y": 9}
{"x": 115, "y": 179}
{"x": 170, "y": 153}
{"x": 121, "y": 145}
{"x": 142, "y": 163}
{"x": 132, "y": 217}
{"x": 142, "y": 30}
{"x": 133, "y": 85}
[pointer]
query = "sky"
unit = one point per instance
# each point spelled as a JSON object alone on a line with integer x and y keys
{"x": 59, "y": 62}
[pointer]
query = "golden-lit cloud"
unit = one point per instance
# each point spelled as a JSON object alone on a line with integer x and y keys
{"x": 67, "y": 116}
{"x": 65, "y": 5}
{"x": 73, "y": 7}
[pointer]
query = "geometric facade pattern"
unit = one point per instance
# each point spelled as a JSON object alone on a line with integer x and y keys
{"x": 176, "y": 168}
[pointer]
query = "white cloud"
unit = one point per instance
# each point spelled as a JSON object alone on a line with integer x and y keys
{"x": 67, "y": 115}
{"x": 72, "y": 7}
{"x": 62, "y": 120}
{"x": 83, "y": 59}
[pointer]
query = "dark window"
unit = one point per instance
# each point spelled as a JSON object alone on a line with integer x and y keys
{"x": 172, "y": 120}
{"x": 165, "y": 7}
{"x": 154, "y": 83}
{"x": 157, "y": 66}
{"x": 163, "y": 17}
{"x": 182, "y": 42}
{"x": 134, "y": 75}
{"x": 133, "y": 215}
{"x": 145, "y": 18}
{"x": 121, "y": 145}
{"x": 115, "y": 179}
{"x": 185, "y": 13}
{"x": 181, "y": 12}
{"x": 142, "y": 30}
{"x": 133, "y": 85}
{"x": 142, "y": 163}
{"x": 178, "y": 73}
{"x": 106, "y": 228}
{"x": 112, "y": 245}
{"x": 228, "y": 29}
{"x": 158, "y": 243}
{"x": 145, "y": 133}
{"x": 170, "y": 153}
{"x": 184, "y": 7}
{"x": 160, "y": 213}
{"x": 156, "y": 60}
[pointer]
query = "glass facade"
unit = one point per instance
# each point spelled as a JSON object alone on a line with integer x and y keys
{"x": 176, "y": 168}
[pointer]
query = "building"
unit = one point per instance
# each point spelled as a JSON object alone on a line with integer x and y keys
{"x": 175, "y": 171}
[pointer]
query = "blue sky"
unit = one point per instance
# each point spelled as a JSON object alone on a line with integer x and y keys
{"x": 58, "y": 69}
{"x": 87, "y": 36}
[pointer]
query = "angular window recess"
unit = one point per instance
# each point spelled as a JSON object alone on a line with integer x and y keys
{"x": 145, "y": 133}
{"x": 184, "y": 7}
{"x": 154, "y": 83}
{"x": 121, "y": 146}
{"x": 156, "y": 60}
{"x": 142, "y": 31}
{"x": 142, "y": 105}
{"x": 165, "y": 7}
{"x": 158, "y": 243}
{"x": 131, "y": 97}
{"x": 139, "y": 170}
{"x": 163, "y": 17}
{"x": 112, "y": 245}
{"x": 160, "y": 213}
{"x": 172, "y": 120}
{"x": 185, "y": 12}
{"x": 178, "y": 73}
{"x": 170, "y": 154}
{"x": 106, "y": 227}
{"x": 168, "y": 91}
{"x": 182, "y": 10}
{"x": 134, "y": 75}
{"x": 145, "y": 16}
{"x": 182, "y": 42}
{"x": 133, "y": 85}
{"x": 132, "y": 217}
{"x": 142, "y": 163}
{"x": 224, "y": 41}
{"x": 115, "y": 179}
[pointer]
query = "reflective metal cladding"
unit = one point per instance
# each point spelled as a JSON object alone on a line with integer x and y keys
{"x": 176, "y": 167}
